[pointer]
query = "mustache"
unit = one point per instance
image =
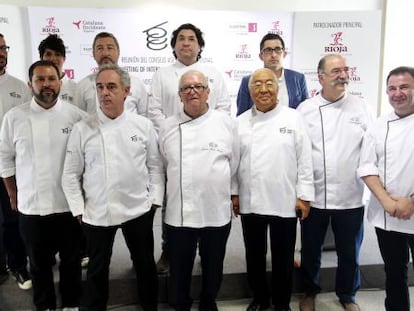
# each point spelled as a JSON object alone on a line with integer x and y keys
{"x": 340, "y": 81}
{"x": 48, "y": 89}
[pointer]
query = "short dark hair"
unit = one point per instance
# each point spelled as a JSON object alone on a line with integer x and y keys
{"x": 198, "y": 33}
{"x": 105, "y": 35}
{"x": 54, "y": 43}
{"x": 271, "y": 36}
{"x": 401, "y": 70}
{"x": 41, "y": 63}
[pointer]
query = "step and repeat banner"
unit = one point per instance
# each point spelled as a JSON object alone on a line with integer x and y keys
{"x": 232, "y": 40}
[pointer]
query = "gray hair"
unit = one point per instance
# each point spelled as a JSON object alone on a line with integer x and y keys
{"x": 205, "y": 80}
{"x": 255, "y": 72}
{"x": 124, "y": 75}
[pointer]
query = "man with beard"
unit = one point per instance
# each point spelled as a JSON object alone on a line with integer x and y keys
{"x": 53, "y": 48}
{"x": 106, "y": 51}
{"x": 337, "y": 122}
{"x": 13, "y": 92}
{"x": 33, "y": 141}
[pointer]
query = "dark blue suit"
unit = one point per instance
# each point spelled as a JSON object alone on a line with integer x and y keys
{"x": 295, "y": 84}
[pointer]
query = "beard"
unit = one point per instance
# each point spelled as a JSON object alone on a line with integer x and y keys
{"x": 3, "y": 62}
{"x": 46, "y": 99}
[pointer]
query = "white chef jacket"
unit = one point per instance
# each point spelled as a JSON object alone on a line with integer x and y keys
{"x": 32, "y": 148}
{"x": 86, "y": 97}
{"x": 68, "y": 90}
{"x": 113, "y": 171}
{"x": 336, "y": 131}
{"x": 201, "y": 157}
{"x": 13, "y": 92}
{"x": 164, "y": 101}
{"x": 275, "y": 162}
{"x": 387, "y": 151}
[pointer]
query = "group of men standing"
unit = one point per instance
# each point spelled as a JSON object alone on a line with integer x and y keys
{"x": 89, "y": 170}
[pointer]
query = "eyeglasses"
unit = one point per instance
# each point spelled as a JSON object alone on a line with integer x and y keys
{"x": 196, "y": 88}
{"x": 269, "y": 51}
{"x": 4, "y": 48}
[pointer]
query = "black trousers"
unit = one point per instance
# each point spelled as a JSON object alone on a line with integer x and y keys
{"x": 44, "y": 236}
{"x": 139, "y": 239}
{"x": 3, "y": 263}
{"x": 13, "y": 243}
{"x": 282, "y": 244}
{"x": 182, "y": 248}
{"x": 395, "y": 251}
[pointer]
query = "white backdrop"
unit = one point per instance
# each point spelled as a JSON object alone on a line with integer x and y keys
{"x": 232, "y": 40}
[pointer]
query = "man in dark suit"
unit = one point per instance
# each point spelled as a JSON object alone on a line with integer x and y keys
{"x": 292, "y": 84}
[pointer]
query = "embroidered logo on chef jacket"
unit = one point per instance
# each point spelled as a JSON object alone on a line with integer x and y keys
{"x": 66, "y": 97}
{"x": 355, "y": 120}
{"x": 136, "y": 138}
{"x": 212, "y": 146}
{"x": 15, "y": 95}
{"x": 284, "y": 130}
{"x": 66, "y": 130}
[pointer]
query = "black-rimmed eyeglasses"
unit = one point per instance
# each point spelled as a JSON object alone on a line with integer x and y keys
{"x": 270, "y": 51}
{"x": 4, "y": 48}
{"x": 196, "y": 88}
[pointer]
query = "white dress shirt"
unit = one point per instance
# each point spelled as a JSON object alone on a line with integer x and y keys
{"x": 275, "y": 162}
{"x": 32, "y": 148}
{"x": 387, "y": 152}
{"x": 336, "y": 131}
{"x": 201, "y": 157}
{"x": 113, "y": 172}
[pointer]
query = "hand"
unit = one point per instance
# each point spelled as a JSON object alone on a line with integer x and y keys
{"x": 155, "y": 206}
{"x": 79, "y": 218}
{"x": 13, "y": 202}
{"x": 304, "y": 207}
{"x": 235, "y": 203}
{"x": 404, "y": 208}
{"x": 390, "y": 206}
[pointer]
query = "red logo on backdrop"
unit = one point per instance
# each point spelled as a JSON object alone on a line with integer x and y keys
{"x": 229, "y": 72}
{"x": 77, "y": 24}
{"x": 243, "y": 53}
{"x": 252, "y": 27}
{"x": 336, "y": 45}
{"x": 337, "y": 38}
{"x": 70, "y": 73}
{"x": 353, "y": 74}
{"x": 276, "y": 28}
{"x": 50, "y": 26}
